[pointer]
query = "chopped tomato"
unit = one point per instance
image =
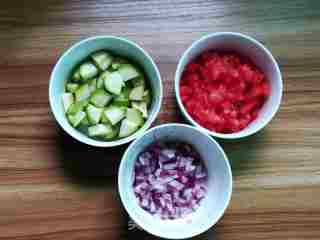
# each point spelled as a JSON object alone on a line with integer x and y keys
{"x": 223, "y": 91}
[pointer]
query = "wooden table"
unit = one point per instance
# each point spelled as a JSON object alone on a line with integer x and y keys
{"x": 52, "y": 187}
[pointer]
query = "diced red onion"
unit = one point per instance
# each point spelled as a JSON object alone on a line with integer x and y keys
{"x": 169, "y": 180}
{"x": 176, "y": 185}
{"x": 169, "y": 153}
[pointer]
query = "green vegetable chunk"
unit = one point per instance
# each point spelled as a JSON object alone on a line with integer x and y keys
{"x": 142, "y": 107}
{"x": 100, "y": 82}
{"x": 117, "y": 62}
{"x": 92, "y": 85}
{"x": 88, "y": 70}
{"x": 127, "y": 128}
{"x": 94, "y": 114}
{"x": 76, "y": 75}
{"x": 114, "y": 83}
{"x": 77, "y": 118}
{"x": 72, "y": 87}
{"x": 136, "y": 93}
{"x": 114, "y": 114}
{"x": 139, "y": 81}
{"x": 77, "y": 107}
{"x": 82, "y": 93}
{"x": 99, "y": 130}
{"x": 122, "y": 100}
{"x": 128, "y": 71}
{"x": 114, "y": 133}
{"x": 102, "y": 59}
{"x": 67, "y": 101}
{"x": 100, "y": 98}
{"x": 135, "y": 116}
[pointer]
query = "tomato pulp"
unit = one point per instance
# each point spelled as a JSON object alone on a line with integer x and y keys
{"x": 223, "y": 91}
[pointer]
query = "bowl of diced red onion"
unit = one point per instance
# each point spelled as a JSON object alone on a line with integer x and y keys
{"x": 175, "y": 181}
{"x": 228, "y": 84}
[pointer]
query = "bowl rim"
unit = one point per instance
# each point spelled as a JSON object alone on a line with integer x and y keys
{"x": 237, "y": 135}
{"x": 125, "y": 157}
{"x": 85, "y": 139}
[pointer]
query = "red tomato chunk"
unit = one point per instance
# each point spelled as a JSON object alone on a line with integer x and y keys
{"x": 222, "y": 91}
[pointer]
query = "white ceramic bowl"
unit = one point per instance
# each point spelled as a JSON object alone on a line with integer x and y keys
{"x": 258, "y": 54}
{"x": 219, "y": 183}
{"x": 81, "y": 50}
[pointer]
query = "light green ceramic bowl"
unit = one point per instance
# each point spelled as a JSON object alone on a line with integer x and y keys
{"x": 81, "y": 50}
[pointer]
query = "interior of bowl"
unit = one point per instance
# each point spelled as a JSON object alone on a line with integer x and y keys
{"x": 80, "y": 51}
{"x": 258, "y": 54}
{"x": 219, "y": 183}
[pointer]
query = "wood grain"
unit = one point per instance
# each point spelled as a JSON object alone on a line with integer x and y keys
{"x": 52, "y": 187}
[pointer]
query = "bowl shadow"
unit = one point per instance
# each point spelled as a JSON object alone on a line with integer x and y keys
{"x": 86, "y": 165}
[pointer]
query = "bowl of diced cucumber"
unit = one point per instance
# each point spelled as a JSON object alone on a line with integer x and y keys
{"x": 105, "y": 91}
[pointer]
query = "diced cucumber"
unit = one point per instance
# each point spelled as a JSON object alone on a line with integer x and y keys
{"x": 92, "y": 85}
{"x": 99, "y": 130}
{"x": 147, "y": 97}
{"x": 139, "y": 81}
{"x": 72, "y": 87}
{"x": 127, "y": 128}
{"x": 85, "y": 121}
{"x": 122, "y": 100}
{"x": 76, "y": 75}
{"x": 117, "y": 62}
{"x": 77, "y": 118}
{"x": 134, "y": 116}
{"x": 67, "y": 101}
{"x": 100, "y": 98}
{"x": 114, "y": 83}
{"x": 114, "y": 114}
{"x": 100, "y": 82}
{"x": 88, "y": 70}
{"x": 115, "y": 65}
{"x": 136, "y": 93}
{"x": 77, "y": 107}
{"x": 114, "y": 133}
{"x": 128, "y": 71}
{"x": 82, "y": 93}
{"x": 94, "y": 114}
{"x": 102, "y": 77}
{"x": 104, "y": 119}
{"x": 102, "y": 59}
{"x": 141, "y": 106}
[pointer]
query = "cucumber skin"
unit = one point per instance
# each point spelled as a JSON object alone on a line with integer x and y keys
{"x": 136, "y": 93}
{"x": 91, "y": 110}
{"x": 76, "y": 119}
{"x": 135, "y": 116}
{"x": 88, "y": 70}
{"x": 122, "y": 100}
{"x": 72, "y": 87}
{"x": 76, "y": 77}
{"x": 67, "y": 101}
{"x": 82, "y": 93}
{"x": 99, "y": 130}
{"x": 141, "y": 106}
{"x": 77, "y": 107}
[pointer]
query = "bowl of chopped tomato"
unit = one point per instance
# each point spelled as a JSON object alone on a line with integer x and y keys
{"x": 228, "y": 84}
